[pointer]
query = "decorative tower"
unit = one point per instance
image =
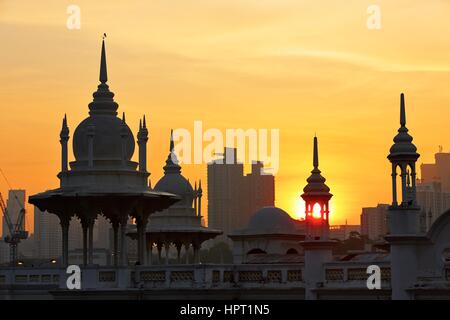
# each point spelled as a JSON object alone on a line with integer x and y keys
{"x": 317, "y": 246}
{"x": 404, "y": 214}
{"x": 142, "y": 138}
{"x": 316, "y": 195}
{"x": 64, "y": 138}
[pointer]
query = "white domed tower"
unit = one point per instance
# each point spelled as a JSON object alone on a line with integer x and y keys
{"x": 103, "y": 180}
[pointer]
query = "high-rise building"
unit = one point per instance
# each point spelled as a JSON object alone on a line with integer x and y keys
{"x": 374, "y": 221}
{"x": 433, "y": 189}
{"x": 232, "y": 196}
{"x": 48, "y": 235}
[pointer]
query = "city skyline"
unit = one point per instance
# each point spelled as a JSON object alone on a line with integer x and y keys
{"x": 355, "y": 119}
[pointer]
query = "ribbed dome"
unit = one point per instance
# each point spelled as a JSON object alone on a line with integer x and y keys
{"x": 103, "y": 125}
{"x": 107, "y": 131}
{"x": 271, "y": 220}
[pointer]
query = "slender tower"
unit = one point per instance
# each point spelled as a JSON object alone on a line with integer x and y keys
{"x": 64, "y": 138}
{"x": 316, "y": 195}
{"x": 142, "y": 138}
{"x": 404, "y": 213}
{"x": 317, "y": 246}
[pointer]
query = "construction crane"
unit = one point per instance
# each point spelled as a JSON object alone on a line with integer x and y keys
{"x": 16, "y": 230}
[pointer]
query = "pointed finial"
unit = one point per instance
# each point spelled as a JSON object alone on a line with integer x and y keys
{"x": 103, "y": 72}
{"x": 140, "y": 124}
{"x": 195, "y": 186}
{"x": 144, "y": 124}
{"x": 123, "y": 117}
{"x": 200, "y": 185}
{"x": 315, "y": 153}
{"x": 171, "y": 141}
{"x": 65, "y": 121}
{"x": 402, "y": 110}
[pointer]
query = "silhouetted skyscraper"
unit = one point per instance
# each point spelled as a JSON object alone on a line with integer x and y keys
{"x": 232, "y": 196}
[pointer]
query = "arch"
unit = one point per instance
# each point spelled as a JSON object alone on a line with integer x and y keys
{"x": 256, "y": 251}
{"x": 292, "y": 251}
{"x": 440, "y": 226}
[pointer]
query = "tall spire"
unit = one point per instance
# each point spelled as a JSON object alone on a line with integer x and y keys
{"x": 144, "y": 123}
{"x": 103, "y": 71}
{"x": 103, "y": 98}
{"x": 402, "y": 110}
{"x": 315, "y": 154}
{"x": 171, "y": 148}
{"x": 172, "y": 165}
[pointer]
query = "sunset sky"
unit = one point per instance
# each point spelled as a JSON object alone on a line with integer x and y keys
{"x": 302, "y": 67}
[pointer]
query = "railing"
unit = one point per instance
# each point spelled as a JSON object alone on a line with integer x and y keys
{"x": 160, "y": 276}
{"x": 354, "y": 274}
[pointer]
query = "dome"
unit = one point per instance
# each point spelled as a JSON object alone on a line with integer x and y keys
{"x": 271, "y": 220}
{"x": 103, "y": 125}
{"x": 173, "y": 181}
{"x": 178, "y": 185}
{"x": 107, "y": 141}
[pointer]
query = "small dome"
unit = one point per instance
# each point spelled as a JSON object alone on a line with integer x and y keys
{"x": 271, "y": 220}
{"x": 176, "y": 184}
{"x": 107, "y": 131}
{"x": 173, "y": 181}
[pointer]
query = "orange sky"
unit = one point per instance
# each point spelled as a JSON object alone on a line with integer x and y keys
{"x": 300, "y": 66}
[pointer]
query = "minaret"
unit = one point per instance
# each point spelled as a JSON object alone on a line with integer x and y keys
{"x": 64, "y": 138}
{"x": 317, "y": 246}
{"x": 403, "y": 155}
{"x": 124, "y": 134}
{"x": 316, "y": 194}
{"x": 404, "y": 214}
{"x": 200, "y": 193}
{"x": 142, "y": 138}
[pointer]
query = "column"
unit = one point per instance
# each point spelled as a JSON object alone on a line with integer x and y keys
{"x": 394, "y": 185}
{"x": 404, "y": 192}
{"x": 159, "y": 248}
{"x": 178, "y": 246}
{"x": 149, "y": 253}
{"x": 123, "y": 241}
{"x": 115, "y": 226}
{"x": 65, "y": 223}
{"x": 186, "y": 249}
{"x": 167, "y": 249}
{"x": 91, "y": 241}
{"x": 140, "y": 225}
{"x": 196, "y": 248}
{"x": 84, "y": 226}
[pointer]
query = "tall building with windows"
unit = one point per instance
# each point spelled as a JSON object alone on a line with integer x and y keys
{"x": 374, "y": 221}
{"x": 232, "y": 196}
{"x": 433, "y": 189}
{"x": 48, "y": 237}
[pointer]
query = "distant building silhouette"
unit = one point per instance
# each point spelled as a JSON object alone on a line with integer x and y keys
{"x": 374, "y": 221}
{"x": 433, "y": 189}
{"x": 232, "y": 196}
